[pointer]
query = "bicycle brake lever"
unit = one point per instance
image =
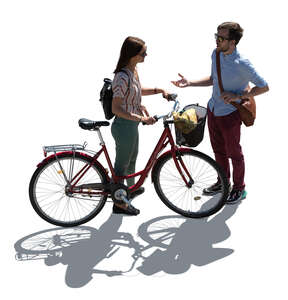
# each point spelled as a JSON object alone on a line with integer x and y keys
{"x": 172, "y": 97}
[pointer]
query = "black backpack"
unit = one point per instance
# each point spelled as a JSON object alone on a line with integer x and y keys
{"x": 106, "y": 96}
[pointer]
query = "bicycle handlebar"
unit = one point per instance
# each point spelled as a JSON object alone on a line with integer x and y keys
{"x": 171, "y": 97}
{"x": 175, "y": 108}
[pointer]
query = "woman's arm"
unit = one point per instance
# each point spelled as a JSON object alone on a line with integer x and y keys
{"x": 151, "y": 91}
{"x": 120, "y": 112}
{"x": 154, "y": 91}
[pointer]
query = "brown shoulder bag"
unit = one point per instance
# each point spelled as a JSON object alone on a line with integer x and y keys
{"x": 247, "y": 107}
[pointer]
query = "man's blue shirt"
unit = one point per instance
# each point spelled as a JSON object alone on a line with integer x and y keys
{"x": 236, "y": 73}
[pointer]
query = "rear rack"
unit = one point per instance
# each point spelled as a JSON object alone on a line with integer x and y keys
{"x": 69, "y": 147}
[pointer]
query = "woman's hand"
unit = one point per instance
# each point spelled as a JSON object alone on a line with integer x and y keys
{"x": 146, "y": 117}
{"x": 148, "y": 120}
{"x": 165, "y": 94}
{"x": 144, "y": 111}
{"x": 183, "y": 82}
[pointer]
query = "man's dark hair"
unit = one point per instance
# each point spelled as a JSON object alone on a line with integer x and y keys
{"x": 235, "y": 30}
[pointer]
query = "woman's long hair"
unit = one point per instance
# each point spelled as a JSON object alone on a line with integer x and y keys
{"x": 131, "y": 47}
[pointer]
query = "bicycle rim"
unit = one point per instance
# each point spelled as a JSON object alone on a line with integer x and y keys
{"x": 52, "y": 240}
{"x": 51, "y": 202}
{"x": 191, "y": 201}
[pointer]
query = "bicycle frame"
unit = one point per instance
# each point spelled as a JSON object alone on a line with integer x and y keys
{"x": 165, "y": 139}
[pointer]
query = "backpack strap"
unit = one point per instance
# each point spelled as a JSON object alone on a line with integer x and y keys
{"x": 123, "y": 71}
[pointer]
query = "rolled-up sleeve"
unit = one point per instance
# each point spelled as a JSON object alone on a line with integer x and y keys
{"x": 248, "y": 71}
{"x": 120, "y": 85}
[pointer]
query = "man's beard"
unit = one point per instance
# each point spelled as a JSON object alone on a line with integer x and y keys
{"x": 221, "y": 49}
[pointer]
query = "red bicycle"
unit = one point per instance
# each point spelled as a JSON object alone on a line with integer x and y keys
{"x": 71, "y": 186}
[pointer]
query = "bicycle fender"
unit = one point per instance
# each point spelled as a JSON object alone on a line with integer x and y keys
{"x": 164, "y": 155}
{"x": 78, "y": 153}
{"x": 46, "y": 159}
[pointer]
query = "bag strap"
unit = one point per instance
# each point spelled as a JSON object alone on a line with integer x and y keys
{"x": 218, "y": 67}
{"x": 219, "y": 71}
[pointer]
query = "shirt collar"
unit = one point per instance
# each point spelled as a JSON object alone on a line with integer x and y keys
{"x": 230, "y": 56}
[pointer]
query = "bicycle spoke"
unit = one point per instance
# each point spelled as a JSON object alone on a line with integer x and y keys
{"x": 50, "y": 191}
{"x": 188, "y": 200}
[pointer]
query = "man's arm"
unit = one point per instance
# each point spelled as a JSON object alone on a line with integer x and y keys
{"x": 183, "y": 82}
{"x": 207, "y": 81}
{"x": 255, "y": 91}
{"x": 248, "y": 71}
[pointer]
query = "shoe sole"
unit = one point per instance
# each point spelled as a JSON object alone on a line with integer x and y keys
{"x": 124, "y": 214}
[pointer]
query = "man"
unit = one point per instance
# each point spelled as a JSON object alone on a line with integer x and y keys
{"x": 223, "y": 118}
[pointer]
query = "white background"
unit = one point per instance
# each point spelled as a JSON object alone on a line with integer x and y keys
{"x": 54, "y": 56}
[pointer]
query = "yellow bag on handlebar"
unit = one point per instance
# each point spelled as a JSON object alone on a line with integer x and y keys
{"x": 185, "y": 121}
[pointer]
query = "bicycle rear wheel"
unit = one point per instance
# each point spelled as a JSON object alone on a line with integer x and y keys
{"x": 190, "y": 201}
{"x": 52, "y": 240}
{"x": 48, "y": 190}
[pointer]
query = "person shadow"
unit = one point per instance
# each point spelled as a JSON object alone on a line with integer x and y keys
{"x": 190, "y": 244}
{"x": 82, "y": 258}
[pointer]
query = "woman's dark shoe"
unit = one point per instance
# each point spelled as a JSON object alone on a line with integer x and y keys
{"x": 136, "y": 193}
{"x": 129, "y": 210}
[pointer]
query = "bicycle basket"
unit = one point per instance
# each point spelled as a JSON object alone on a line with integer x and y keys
{"x": 195, "y": 137}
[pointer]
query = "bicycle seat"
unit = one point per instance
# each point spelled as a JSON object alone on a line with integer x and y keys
{"x": 89, "y": 124}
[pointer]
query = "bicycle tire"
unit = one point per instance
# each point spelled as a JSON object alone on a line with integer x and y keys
{"x": 52, "y": 240}
{"x": 159, "y": 232}
{"x": 201, "y": 167}
{"x": 54, "y": 177}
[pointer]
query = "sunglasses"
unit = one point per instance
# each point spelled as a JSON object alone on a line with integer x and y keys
{"x": 143, "y": 54}
{"x": 220, "y": 38}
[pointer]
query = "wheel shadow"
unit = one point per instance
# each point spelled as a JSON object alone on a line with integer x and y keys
{"x": 176, "y": 242}
{"x": 80, "y": 248}
{"x": 190, "y": 243}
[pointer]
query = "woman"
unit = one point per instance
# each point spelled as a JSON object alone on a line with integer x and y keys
{"x": 129, "y": 112}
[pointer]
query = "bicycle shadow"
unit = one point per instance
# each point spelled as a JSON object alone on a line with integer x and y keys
{"x": 82, "y": 258}
{"x": 187, "y": 244}
{"x": 80, "y": 254}
{"x": 192, "y": 243}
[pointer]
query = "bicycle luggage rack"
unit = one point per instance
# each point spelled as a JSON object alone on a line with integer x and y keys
{"x": 69, "y": 147}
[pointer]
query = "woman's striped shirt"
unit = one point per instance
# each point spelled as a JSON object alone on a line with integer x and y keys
{"x": 131, "y": 94}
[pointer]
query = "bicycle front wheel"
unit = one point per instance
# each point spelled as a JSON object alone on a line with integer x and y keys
{"x": 49, "y": 196}
{"x": 190, "y": 201}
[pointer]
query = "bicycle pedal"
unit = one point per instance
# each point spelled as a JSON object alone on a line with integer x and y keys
{"x": 123, "y": 198}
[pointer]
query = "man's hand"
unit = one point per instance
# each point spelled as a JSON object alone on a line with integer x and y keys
{"x": 183, "y": 82}
{"x": 229, "y": 97}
